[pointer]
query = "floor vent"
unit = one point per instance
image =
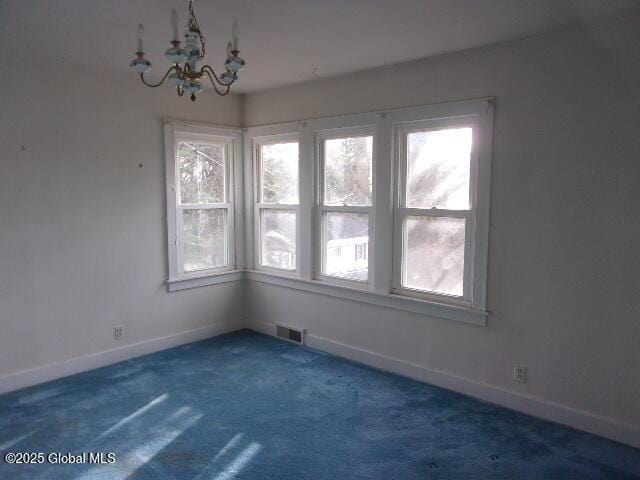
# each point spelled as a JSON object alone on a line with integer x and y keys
{"x": 295, "y": 335}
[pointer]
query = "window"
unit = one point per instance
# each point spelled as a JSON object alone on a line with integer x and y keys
{"x": 386, "y": 208}
{"x": 200, "y": 200}
{"x": 277, "y": 196}
{"x": 345, "y": 203}
{"x": 202, "y": 206}
{"x": 435, "y": 215}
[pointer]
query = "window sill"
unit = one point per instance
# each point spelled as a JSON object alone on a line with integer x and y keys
{"x": 177, "y": 284}
{"x": 440, "y": 310}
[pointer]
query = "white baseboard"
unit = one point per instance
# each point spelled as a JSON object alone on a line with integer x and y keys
{"x": 579, "y": 419}
{"x": 51, "y": 371}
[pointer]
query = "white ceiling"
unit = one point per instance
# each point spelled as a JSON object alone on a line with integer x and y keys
{"x": 288, "y": 41}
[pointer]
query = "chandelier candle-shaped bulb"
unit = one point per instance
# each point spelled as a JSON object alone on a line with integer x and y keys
{"x": 174, "y": 24}
{"x": 140, "y": 64}
{"x": 234, "y": 33}
{"x": 229, "y": 48}
{"x": 140, "y": 37}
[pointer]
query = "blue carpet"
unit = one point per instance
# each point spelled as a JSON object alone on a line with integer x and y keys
{"x": 247, "y": 406}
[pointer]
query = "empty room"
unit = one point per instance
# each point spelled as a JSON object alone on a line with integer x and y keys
{"x": 320, "y": 240}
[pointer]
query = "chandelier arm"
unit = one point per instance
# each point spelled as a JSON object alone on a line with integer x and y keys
{"x": 154, "y": 85}
{"x": 206, "y": 69}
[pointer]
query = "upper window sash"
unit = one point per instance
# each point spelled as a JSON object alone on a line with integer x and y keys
{"x": 462, "y": 125}
{"x": 228, "y": 145}
{"x": 258, "y": 144}
{"x": 337, "y": 135}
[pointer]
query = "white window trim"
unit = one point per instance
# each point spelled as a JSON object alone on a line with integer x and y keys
{"x": 380, "y": 290}
{"x": 256, "y": 145}
{"x": 321, "y": 208}
{"x": 175, "y": 131}
{"x": 479, "y": 115}
{"x": 395, "y": 302}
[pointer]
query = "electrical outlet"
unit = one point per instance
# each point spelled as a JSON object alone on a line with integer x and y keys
{"x": 118, "y": 332}
{"x": 519, "y": 373}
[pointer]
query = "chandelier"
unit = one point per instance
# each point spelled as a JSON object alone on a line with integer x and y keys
{"x": 183, "y": 73}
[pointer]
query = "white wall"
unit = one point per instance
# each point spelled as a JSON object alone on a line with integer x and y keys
{"x": 82, "y": 230}
{"x": 564, "y": 266}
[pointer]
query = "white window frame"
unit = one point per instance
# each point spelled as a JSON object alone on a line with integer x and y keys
{"x": 384, "y": 241}
{"x": 176, "y": 132}
{"x": 259, "y": 206}
{"x": 479, "y": 118}
{"x": 322, "y": 209}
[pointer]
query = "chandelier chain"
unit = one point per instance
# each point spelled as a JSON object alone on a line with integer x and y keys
{"x": 195, "y": 27}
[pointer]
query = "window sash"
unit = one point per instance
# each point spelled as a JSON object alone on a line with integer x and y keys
{"x": 260, "y": 206}
{"x": 321, "y": 255}
{"x": 176, "y": 133}
{"x": 336, "y": 135}
{"x": 321, "y": 208}
{"x": 261, "y": 240}
{"x": 258, "y": 164}
{"x": 401, "y": 211}
{"x": 226, "y": 170}
{"x": 228, "y": 146}
{"x": 226, "y": 142}
{"x": 180, "y": 239}
{"x": 401, "y": 155}
{"x": 400, "y": 230}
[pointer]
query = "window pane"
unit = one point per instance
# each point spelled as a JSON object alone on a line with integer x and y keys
{"x": 347, "y": 171}
{"x": 434, "y": 254}
{"x": 201, "y": 172}
{"x": 204, "y": 238}
{"x": 438, "y": 168}
{"x": 278, "y": 230}
{"x": 346, "y": 237}
{"x": 280, "y": 173}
